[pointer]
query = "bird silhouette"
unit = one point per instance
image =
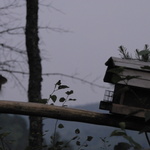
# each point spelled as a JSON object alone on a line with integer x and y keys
{"x": 3, "y": 80}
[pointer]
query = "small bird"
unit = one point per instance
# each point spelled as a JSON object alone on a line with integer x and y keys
{"x": 3, "y": 80}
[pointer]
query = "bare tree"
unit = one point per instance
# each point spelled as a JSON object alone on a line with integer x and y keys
{"x": 15, "y": 57}
{"x": 12, "y": 50}
{"x": 35, "y": 71}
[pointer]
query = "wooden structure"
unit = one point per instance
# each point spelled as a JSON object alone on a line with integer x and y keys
{"x": 69, "y": 114}
{"x": 131, "y": 79}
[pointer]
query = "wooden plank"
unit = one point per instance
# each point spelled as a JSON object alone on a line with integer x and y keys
{"x": 142, "y": 75}
{"x": 131, "y": 63}
{"x": 137, "y": 83}
{"x": 127, "y": 110}
{"x": 132, "y": 68}
{"x": 142, "y": 81}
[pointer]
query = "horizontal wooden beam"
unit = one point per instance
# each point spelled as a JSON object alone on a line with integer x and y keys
{"x": 129, "y": 110}
{"x": 69, "y": 114}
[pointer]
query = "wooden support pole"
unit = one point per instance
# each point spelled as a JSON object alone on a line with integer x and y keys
{"x": 69, "y": 114}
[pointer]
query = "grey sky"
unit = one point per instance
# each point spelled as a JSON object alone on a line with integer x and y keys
{"x": 98, "y": 28}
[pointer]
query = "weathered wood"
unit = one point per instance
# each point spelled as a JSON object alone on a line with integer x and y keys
{"x": 142, "y": 81}
{"x": 69, "y": 114}
{"x": 131, "y": 68}
{"x": 129, "y": 63}
{"x": 128, "y": 110}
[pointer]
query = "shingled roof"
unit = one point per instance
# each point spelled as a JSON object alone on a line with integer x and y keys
{"x": 131, "y": 67}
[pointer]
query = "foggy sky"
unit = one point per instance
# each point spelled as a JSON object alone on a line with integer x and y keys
{"x": 97, "y": 28}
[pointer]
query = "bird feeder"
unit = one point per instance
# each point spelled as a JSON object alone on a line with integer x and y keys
{"x": 131, "y": 80}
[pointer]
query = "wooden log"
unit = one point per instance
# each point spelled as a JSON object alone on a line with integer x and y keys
{"x": 69, "y": 114}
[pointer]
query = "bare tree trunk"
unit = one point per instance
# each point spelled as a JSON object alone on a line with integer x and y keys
{"x": 35, "y": 71}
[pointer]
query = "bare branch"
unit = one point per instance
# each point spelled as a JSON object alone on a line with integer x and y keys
{"x": 56, "y": 74}
{"x": 14, "y": 49}
{"x": 76, "y": 78}
{"x": 9, "y": 5}
{"x": 14, "y": 71}
{"x": 19, "y": 82}
{"x": 50, "y": 5}
{"x": 55, "y": 29}
{"x": 13, "y": 29}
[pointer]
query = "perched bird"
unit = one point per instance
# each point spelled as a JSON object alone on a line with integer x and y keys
{"x": 3, "y": 80}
